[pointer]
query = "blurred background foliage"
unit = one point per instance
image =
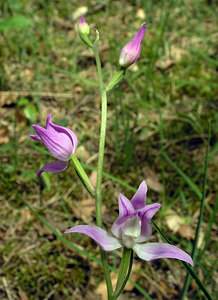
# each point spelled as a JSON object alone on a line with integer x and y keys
{"x": 157, "y": 129}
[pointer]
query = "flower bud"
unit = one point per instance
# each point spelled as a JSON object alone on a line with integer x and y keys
{"x": 83, "y": 27}
{"x": 132, "y": 50}
{"x": 84, "y": 30}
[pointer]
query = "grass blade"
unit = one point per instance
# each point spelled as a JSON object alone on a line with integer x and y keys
{"x": 187, "y": 179}
{"x": 200, "y": 219}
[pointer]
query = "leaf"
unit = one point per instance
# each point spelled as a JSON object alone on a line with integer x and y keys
{"x": 30, "y": 112}
{"x": 153, "y": 181}
{"x": 93, "y": 178}
{"x": 186, "y": 231}
{"x": 15, "y": 22}
{"x": 174, "y": 221}
{"x": 141, "y": 14}
{"x": 178, "y": 224}
{"x": 47, "y": 181}
{"x": 22, "y": 102}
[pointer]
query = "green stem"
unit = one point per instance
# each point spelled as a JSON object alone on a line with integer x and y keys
{"x": 101, "y": 138}
{"x": 82, "y": 175}
{"x": 200, "y": 219}
{"x": 124, "y": 272}
{"x": 98, "y": 195}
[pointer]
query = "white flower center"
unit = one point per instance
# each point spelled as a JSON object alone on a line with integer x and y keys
{"x": 131, "y": 231}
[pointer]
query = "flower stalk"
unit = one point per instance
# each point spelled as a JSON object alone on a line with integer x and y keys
{"x": 82, "y": 175}
{"x": 101, "y": 150}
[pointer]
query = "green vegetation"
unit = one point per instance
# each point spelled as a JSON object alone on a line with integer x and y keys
{"x": 158, "y": 129}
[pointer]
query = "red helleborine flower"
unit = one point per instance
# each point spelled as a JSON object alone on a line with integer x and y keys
{"x": 132, "y": 229}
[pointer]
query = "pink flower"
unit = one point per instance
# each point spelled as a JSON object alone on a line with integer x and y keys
{"x": 132, "y": 50}
{"x": 132, "y": 229}
{"x": 60, "y": 141}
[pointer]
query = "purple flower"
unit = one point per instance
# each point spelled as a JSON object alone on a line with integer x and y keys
{"x": 132, "y": 229}
{"x": 60, "y": 141}
{"x": 132, "y": 50}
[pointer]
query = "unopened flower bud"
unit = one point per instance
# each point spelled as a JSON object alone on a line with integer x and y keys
{"x": 83, "y": 27}
{"x": 84, "y": 31}
{"x": 132, "y": 50}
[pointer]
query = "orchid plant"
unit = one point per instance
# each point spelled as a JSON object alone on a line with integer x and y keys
{"x": 132, "y": 229}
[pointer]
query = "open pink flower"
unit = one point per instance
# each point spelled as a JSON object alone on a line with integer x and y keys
{"x": 132, "y": 50}
{"x": 132, "y": 229}
{"x": 60, "y": 141}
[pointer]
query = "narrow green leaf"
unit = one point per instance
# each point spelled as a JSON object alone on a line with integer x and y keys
{"x": 187, "y": 179}
{"x": 30, "y": 112}
{"x": 200, "y": 219}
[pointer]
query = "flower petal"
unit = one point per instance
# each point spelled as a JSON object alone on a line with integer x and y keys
{"x": 125, "y": 206}
{"x": 35, "y": 137}
{"x": 61, "y": 129}
{"x": 53, "y": 167}
{"x": 151, "y": 251}
{"x": 100, "y": 236}
{"x": 58, "y": 144}
{"x": 130, "y": 53}
{"x": 150, "y": 210}
{"x": 138, "y": 200}
{"x": 125, "y": 211}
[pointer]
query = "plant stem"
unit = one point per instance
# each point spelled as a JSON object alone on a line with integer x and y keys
{"x": 82, "y": 175}
{"x": 200, "y": 219}
{"x": 98, "y": 195}
{"x": 101, "y": 138}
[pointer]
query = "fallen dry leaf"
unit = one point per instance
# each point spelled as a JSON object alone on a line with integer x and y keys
{"x": 84, "y": 209}
{"x": 164, "y": 63}
{"x": 186, "y": 231}
{"x": 102, "y": 290}
{"x": 179, "y": 225}
{"x": 23, "y": 295}
{"x": 174, "y": 55}
{"x": 174, "y": 221}
{"x": 4, "y": 135}
{"x": 82, "y": 153}
{"x": 93, "y": 178}
{"x": 153, "y": 181}
{"x": 80, "y": 11}
{"x": 140, "y": 14}
{"x": 177, "y": 53}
